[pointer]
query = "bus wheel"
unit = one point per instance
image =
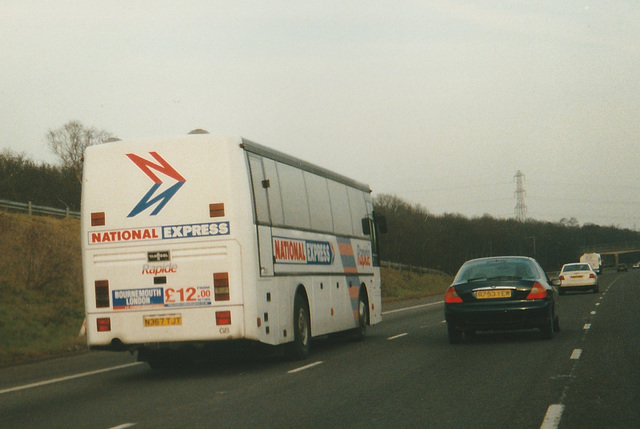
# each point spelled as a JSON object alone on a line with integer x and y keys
{"x": 299, "y": 348}
{"x": 360, "y": 332}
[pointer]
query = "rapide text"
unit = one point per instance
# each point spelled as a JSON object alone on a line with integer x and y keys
{"x": 160, "y": 233}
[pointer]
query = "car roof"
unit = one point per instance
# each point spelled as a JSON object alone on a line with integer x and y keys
{"x": 498, "y": 258}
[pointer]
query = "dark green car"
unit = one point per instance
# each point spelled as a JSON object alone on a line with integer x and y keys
{"x": 501, "y": 293}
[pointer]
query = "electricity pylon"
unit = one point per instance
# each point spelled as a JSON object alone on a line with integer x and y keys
{"x": 521, "y": 208}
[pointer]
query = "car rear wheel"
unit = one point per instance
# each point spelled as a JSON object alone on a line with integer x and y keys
{"x": 455, "y": 335}
{"x": 547, "y": 328}
{"x": 556, "y": 324}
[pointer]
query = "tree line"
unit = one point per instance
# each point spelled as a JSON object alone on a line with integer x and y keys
{"x": 58, "y": 186}
{"x": 22, "y": 180}
{"x": 444, "y": 242}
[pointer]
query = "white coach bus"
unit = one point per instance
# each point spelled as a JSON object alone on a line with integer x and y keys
{"x": 192, "y": 240}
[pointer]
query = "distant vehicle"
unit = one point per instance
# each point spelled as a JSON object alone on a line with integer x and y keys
{"x": 501, "y": 293}
{"x": 593, "y": 259}
{"x": 636, "y": 265}
{"x": 578, "y": 276}
{"x": 622, "y": 267}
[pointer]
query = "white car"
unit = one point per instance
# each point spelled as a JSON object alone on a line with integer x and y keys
{"x": 578, "y": 276}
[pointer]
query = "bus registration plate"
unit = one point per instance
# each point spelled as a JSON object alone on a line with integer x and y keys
{"x": 168, "y": 320}
{"x": 497, "y": 293}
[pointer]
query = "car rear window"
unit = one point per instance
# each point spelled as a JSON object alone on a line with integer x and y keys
{"x": 495, "y": 269}
{"x": 576, "y": 267}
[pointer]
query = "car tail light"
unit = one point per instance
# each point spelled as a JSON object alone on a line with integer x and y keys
{"x": 537, "y": 292}
{"x": 221, "y": 286}
{"x": 592, "y": 276}
{"x": 561, "y": 278}
{"x": 223, "y": 318}
{"x": 103, "y": 324}
{"x": 451, "y": 296}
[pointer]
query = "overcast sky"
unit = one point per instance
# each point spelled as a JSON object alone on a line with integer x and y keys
{"x": 438, "y": 102}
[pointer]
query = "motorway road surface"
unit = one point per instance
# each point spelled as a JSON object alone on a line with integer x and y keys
{"x": 405, "y": 374}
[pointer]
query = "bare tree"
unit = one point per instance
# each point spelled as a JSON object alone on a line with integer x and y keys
{"x": 69, "y": 142}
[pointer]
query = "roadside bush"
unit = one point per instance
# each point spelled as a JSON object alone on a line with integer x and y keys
{"x": 41, "y": 297}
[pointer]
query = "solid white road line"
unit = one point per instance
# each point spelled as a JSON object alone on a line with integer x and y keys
{"x": 70, "y": 377}
{"x": 398, "y": 336}
{"x": 302, "y": 368}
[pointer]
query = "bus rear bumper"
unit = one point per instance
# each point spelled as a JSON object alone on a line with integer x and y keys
{"x": 133, "y": 330}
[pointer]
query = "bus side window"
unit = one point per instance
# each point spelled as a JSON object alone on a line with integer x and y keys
{"x": 294, "y": 196}
{"x": 357, "y": 208}
{"x": 319, "y": 203}
{"x": 260, "y": 202}
{"x": 273, "y": 193}
{"x": 340, "y": 208}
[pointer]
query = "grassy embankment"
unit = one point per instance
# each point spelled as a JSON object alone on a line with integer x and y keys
{"x": 41, "y": 298}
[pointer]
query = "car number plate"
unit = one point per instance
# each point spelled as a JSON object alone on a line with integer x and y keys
{"x": 498, "y": 293}
{"x": 169, "y": 320}
{"x": 576, "y": 277}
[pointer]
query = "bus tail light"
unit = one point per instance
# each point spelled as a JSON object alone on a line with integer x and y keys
{"x": 223, "y": 318}
{"x": 103, "y": 324}
{"x": 221, "y": 286}
{"x": 98, "y": 219}
{"x": 102, "y": 293}
{"x": 216, "y": 210}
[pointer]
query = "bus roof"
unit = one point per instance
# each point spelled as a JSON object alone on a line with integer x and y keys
{"x": 267, "y": 152}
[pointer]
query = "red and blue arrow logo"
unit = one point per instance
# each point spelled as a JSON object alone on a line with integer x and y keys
{"x": 162, "y": 198}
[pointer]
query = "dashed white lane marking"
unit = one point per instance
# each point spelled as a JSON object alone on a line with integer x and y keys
{"x": 398, "y": 336}
{"x": 124, "y": 426}
{"x": 554, "y": 412}
{"x": 70, "y": 377}
{"x": 552, "y": 418}
{"x": 302, "y": 368}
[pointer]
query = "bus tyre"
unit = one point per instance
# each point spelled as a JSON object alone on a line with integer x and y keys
{"x": 299, "y": 348}
{"x": 360, "y": 332}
